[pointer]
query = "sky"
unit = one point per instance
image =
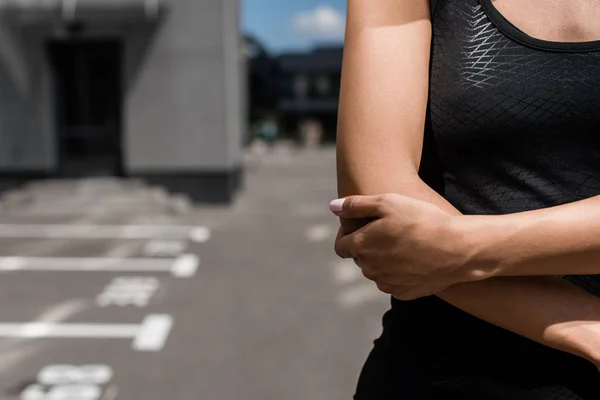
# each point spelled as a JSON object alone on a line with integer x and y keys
{"x": 294, "y": 24}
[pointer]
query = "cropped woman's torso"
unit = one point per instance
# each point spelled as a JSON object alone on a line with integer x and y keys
{"x": 515, "y": 120}
{"x": 513, "y": 125}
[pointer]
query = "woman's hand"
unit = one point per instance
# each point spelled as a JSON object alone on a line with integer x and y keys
{"x": 410, "y": 248}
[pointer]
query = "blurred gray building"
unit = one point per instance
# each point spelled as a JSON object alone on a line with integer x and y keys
{"x": 310, "y": 88}
{"x": 153, "y": 89}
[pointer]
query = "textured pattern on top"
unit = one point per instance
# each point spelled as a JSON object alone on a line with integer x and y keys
{"x": 516, "y": 128}
{"x": 512, "y": 128}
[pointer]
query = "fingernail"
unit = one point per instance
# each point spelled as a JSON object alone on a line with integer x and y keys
{"x": 336, "y": 206}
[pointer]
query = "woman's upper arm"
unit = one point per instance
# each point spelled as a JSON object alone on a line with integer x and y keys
{"x": 383, "y": 94}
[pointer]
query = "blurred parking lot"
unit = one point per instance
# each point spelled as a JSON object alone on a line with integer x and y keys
{"x": 114, "y": 289}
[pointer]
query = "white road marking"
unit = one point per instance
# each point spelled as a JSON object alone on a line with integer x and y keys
{"x": 183, "y": 266}
{"x": 58, "y": 313}
{"x": 320, "y": 233}
{"x": 150, "y": 335}
{"x": 36, "y": 330}
{"x": 64, "y": 374}
{"x": 12, "y": 350}
{"x": 198, "y": 234}
{"x": 153, "y": 333}
{"x": 346, "y": 271}
{"x": 62, "y": 392}
{"x": 32, "y": 248}
{"x": 66, "y": 382}
{"x": 128, "y": 291}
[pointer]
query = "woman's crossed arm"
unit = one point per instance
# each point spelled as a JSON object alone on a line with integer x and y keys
{"x": 380, "y": 137}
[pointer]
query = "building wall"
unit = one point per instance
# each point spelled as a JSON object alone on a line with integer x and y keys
{"x": 26, "y": 142}
{"x": 182, "y": 101}
{"x": 235, "y": 81}
{"x": 183, "y": 107}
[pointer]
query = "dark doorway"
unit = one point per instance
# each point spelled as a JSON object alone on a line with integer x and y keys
{"x": 87, "y": 99}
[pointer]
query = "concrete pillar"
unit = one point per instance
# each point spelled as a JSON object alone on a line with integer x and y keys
{"x": 183, "y": 106}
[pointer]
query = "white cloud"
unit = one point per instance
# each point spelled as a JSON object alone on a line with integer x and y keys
{"x": 322, "y": 22}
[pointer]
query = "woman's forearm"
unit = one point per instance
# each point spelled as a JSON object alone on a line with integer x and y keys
{"x": 561, "y": 240}
{"x": 548, "y": 310}
{"x": 382, "y": 111}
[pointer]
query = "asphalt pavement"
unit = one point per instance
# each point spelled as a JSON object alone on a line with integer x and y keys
{"x": 112, "y": 289}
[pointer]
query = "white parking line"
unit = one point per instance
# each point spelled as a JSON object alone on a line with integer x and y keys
{"x": 346, "y": 271}
{"x": 12, "y": 351}
{"x": 153, "y": 333}
{"x": 320, "y": 233}
{"x": 150, "y": 335}
{"x": 198, "y": 234}
{"x": 183, "y": 266}
{"x": 126, "y": 291}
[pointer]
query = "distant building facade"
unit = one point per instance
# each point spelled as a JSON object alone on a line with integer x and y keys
{"x": 263, "y": 84}
{"x": 138, "y": 88}
{"x": 309, "y": 89}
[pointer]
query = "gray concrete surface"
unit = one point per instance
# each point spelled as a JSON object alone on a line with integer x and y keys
{"x": 271, "y": 313}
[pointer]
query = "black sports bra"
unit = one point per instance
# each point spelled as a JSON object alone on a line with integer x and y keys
{"x": 513, "y": 121}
